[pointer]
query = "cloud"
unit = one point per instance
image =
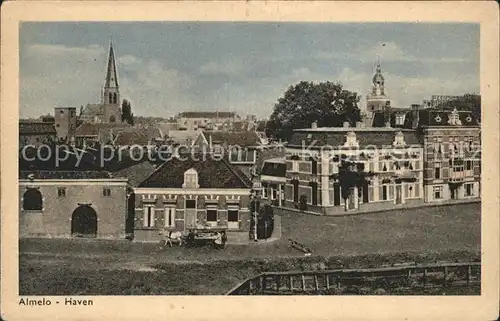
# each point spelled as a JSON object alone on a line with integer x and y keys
{"x": 62, "y": 50}
{"x": 128, "y": 60}
{"x": 154, "y": 89}
{"x": 226, "y": 68}
{"x": 386, "y": 52}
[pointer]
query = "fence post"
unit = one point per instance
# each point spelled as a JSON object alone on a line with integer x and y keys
{"x": 261, "y": 284}
{"x": 303, "y": 282}
{"x": 291, "y": 283}
{"x": 445, "y": 275}
{"x": 316, "y": 286}
{"x": 327, "y": 281}
{"x": 277, "y": 280}
{"x": 425, "y": 277}
{"x": 469, "y": 272}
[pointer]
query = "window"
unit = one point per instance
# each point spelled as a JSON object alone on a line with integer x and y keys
{"x": 149, "y": 216}
{"x": 106, "y": 191}
{"x": 212, "y": 215}
{"x": 169, "y": 216}
{"x": 61, "y": 191}
{"x": 190, "y": 179}
{"x": 384, "y": 192}
{"x": 232, "y": 216}
{"x": 190, "y": 203}
{"x": 32, "y": 200}
{"x": 468, "y": 165}
{"x": 438, "y": 192}
{"x": 233, "y": 219}
{"x": 264, "y": 190}
{"x": 469, "y": 189}
{"x": 274, "y": 192}
{"x": 437, "y": 170}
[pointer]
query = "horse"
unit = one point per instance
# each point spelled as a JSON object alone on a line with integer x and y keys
{"x": 176, "y": 236}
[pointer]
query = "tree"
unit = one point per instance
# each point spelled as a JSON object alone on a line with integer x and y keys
{"x": 470, "y": 102}
{"x": 350, "y": 175}
{"x": 127, "y": 115}
{"x": 326, "y": 103}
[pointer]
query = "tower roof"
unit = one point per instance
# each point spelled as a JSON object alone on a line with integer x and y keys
{"x": 378, "y": 78}
{"x": 111, "y": 77}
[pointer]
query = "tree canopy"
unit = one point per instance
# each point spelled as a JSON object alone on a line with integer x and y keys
{"x": 326, "y": 103}
{"x": 471, "y": 102}
{"x": 127, "y": 115}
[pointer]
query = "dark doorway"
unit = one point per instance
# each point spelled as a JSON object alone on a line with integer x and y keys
{"x": 314, "y": 188}
{"x": 365, "y": 193}
{"x": 295, "y": 190}
{"x": 84, "y": 222}
{"x": 336, "y": 194}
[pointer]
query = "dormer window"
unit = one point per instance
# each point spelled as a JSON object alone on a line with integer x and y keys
{"x": 399, "y": 140}
{"x": 351, "y": 140}
{"x": 190, "y": 179}
{"x": 454, "y": 118}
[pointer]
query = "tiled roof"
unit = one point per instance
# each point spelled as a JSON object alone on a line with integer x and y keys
{"x": 208, "y": 114}
{"x": 240, "y": 138}
{"x": 88, "y": 129}
{"x": 212, "y": 173}
{"x": 132, "y": 138}
{"x": 36, "y": 128}
{"x": 436, "y": 117}
{"x": 84, "y": 160}
{"x": 60, "y": 174}
{"x": 336, "y": 137}
{"x": 273, "y": 167}
{"x": 136, "y": 173}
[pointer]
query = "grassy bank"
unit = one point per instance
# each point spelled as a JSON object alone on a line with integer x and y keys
{"x": 215, "y": 277}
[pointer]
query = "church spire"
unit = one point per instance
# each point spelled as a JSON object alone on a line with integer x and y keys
{"x": 111, "y": 92}
{"x": 111, "y": 77}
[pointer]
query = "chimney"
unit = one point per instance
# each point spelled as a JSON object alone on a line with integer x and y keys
{"x": 314, "y": 125}
{"x": 346, "y": 124}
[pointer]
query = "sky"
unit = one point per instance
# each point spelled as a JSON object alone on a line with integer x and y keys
{"x": 168, "y": 67}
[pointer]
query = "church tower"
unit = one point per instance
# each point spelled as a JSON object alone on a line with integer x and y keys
{"x": 111, "y": 91}
{"x": 377, "y": 99}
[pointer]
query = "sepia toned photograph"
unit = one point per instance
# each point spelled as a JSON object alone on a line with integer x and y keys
{"x": 192, "y": 156}
{"x": 249, "y": 159}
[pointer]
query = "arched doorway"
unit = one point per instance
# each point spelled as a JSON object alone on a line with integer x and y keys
{"x": 84, "y": 222}
{"x": 32, "y": 200}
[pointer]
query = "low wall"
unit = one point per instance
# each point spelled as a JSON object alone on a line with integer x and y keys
{"x": 371, "y": 207}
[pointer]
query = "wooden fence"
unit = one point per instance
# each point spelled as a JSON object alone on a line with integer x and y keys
{"x": 361, "y": 281}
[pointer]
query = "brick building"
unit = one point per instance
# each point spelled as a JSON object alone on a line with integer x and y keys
{"x": 393, "y": 158}
{"x": 61, "y": 203}
{"x": 452, "y": 158}
{"x": 190, "y": 193}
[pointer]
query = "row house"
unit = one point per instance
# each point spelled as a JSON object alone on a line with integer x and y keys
{"x": 390, "y": 158}
{"x": 452, "y": 158}
{"x": 192, "y": 191}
